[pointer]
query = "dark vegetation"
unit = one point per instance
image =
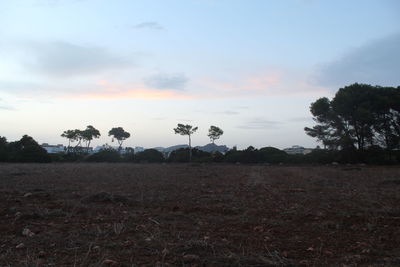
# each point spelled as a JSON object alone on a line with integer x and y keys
{"x": 27, "y": 150}
{"x": 24, "y": 150}
{"x": 358, "y": 118}
{"x": 123, "y": 214}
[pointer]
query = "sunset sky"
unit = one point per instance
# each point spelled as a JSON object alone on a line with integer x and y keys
{"x": 251, "y": 67}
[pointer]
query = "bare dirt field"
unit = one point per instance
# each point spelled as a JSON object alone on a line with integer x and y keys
{"x": 198, "y": 215}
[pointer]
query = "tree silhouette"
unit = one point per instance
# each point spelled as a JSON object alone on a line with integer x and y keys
{"x": 88, "y": 134}
{"x": 71, "y": 136}
{"x": 120, "y": 134}
{"x": 186, "y": 130}
{"x": 358, "y": 117}
{"x": 214, "y": 133}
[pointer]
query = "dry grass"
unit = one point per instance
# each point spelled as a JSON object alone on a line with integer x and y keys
{"x": 193, "y": 214}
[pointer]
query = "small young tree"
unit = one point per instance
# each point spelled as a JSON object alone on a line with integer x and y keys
{"x": 120, "y": 134}
{"x": 214, "y": 133}
{"x": 186, "y": 130}
{"x": 88, "y": 134}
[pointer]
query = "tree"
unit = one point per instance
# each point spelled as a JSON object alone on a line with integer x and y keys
{"x": 27, "y": 150}
{"x": 214, "y": 133}
{"x": 71, "y": 135}
{"x": 186, "y": 130}
{"x": 79, "y": 137}
{"x": 3, "y": 149}
{"x": 358, "y": 117}
{"x": 88, "y": 134}
{"x": 120, "y": 134}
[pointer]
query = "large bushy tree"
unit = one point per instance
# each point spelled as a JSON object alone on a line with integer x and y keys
{"x": 27, "y": 150}
{"x": 359, "y": 116}
{"x": 120, "y": 135}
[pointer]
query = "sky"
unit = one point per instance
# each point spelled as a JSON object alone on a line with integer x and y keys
{"x": 250, "y": 67}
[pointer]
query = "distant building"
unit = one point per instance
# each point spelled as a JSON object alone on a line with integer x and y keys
{"x": 297, "y": 150}
{"x": 53, "y": 148}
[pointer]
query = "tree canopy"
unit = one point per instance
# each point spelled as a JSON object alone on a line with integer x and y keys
{"x": 119, "y": 134}
{"x": 359, "y": 116}
{"x": 88, "y": 134}
{"x": 214, "y": 133}
{"x": 188, "y": 130}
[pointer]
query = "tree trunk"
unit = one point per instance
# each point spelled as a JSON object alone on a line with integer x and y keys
{"x": 190, "y": 149}
{"x": 120, "y": 146}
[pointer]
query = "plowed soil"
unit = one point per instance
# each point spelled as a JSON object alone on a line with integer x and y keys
{"x": 198, "y": 215}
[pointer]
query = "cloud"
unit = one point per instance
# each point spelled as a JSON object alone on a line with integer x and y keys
{"x": 260, "y": 124}
{"x": 227, "y": 112}
{"x": 113, "y": 90}
{"x": 4, "y": 106}
{"x": 63, "y": 59}
{"x": 377, "y": 63}
{"x": 152, "y": 25}
{"x": 175, "y": 81}
{"x": 266, "y": 83}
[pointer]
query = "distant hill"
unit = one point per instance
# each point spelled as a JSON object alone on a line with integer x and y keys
{"x": 213, "y": 148}
{"x": 170, "y": 149}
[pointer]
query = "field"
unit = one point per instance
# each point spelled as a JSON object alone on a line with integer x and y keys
{"x": 198, "y": 215}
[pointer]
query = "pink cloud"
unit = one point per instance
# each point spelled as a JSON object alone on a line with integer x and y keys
{"x": 109, "y": 90}
{"x": 264, "y": 84}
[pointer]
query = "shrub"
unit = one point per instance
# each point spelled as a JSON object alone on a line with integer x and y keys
{"x": 182, "y": 155}
{"x": 105, "y": 155}
{"x": 272, "y": 155}
{"x": 149, "y": 155}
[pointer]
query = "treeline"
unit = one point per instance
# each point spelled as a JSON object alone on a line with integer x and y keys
{"x": 28, "y": 150}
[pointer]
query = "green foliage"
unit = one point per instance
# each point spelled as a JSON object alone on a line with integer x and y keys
{"x": 217, "y": 157}
{"x": 149, "y": 155}
{"x": 214, "y": 133}
{"x": 88, "y": 134}
{"x": 322, "y": 156}
{"x": 182, "y": 155}
{"x": 27, "y": 150}
{"x": 358, "y": 117}
{"x": 106, "y": 154}
{"x": 272, "y": 155}
{"x": 3, "y": 149}
{"x": 119, "y": 134}
{"x": 186, "y": 130}
{"x": 72, "y": 136}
